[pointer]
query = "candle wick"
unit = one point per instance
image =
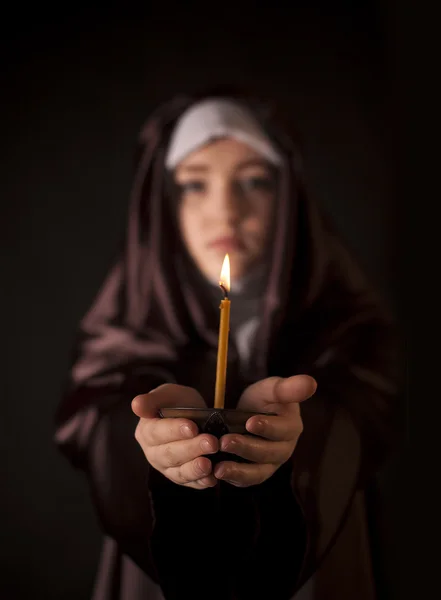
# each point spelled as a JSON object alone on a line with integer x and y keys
{"x": 225, "y": 291}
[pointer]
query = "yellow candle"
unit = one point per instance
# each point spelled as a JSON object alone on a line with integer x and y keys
{"x": 224, "y": 329}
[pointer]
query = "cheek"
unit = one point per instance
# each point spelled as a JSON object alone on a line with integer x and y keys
{"x": 260, "y": 221}
{"x": 190, "y": 228}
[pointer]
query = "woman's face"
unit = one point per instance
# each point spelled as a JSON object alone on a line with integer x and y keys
{"x": 227, "y": 200}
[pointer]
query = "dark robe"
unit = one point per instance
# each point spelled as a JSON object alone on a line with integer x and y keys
{"x": 148, "y": 326}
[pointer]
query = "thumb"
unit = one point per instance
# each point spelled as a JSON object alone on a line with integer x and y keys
{"x": 278, "y": 390}
{"x": 146, "y": 406}
{"x": 295, "y": 389}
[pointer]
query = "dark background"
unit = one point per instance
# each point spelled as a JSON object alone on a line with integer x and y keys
{"x": 75, "y": 90}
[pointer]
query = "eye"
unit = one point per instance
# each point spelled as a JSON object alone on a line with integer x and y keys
{"x": 257, "y": 183}
{"x": 192, "y": 187}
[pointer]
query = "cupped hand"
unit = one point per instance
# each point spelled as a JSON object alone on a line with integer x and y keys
{"x": 173, "y": 446}
{"x": 277, "y": 435}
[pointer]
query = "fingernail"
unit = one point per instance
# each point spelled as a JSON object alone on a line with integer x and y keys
{"x": 207, "y": 446}
{"x": 203, "y": 470}
{"x": 207, "y": 482}
{"x": 228, "y": 444}
{"x": 186, "y": 431}
{"x": 220, "y": 472}
{"x": 257, "y": 426}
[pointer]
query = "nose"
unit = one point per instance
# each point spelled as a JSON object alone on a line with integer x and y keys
{"x": 226, "y": 205}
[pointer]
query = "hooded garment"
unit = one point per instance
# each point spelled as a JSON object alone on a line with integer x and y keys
{"x": 147, "y": 326}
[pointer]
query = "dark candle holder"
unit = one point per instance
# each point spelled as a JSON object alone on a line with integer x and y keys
{"x": 217, "y": 422}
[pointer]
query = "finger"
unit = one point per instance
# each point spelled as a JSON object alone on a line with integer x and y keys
{"x": 169, "y": 394}
{"x": 163, "y": 431}
{"x": 295, "y": 389}
{"x": 277, "y": 390}
{"x": 243, "y": 475}
{"x": 178, "y": 453}
{"x": 257, "y": 450}
{"x": 278, "y": 429}
{"x": 201, "y": 484}
{"x": 197, "y": 470}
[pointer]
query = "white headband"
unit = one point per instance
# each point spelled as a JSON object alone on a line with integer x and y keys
{"x": 212, "y": 119}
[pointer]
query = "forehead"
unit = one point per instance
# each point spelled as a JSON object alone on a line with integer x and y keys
{"x": 223, "y": 154}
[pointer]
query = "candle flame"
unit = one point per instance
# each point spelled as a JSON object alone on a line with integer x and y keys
{"x": 225, "y": 274}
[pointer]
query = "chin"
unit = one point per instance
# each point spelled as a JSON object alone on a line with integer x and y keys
{"x": 237, "y": 275}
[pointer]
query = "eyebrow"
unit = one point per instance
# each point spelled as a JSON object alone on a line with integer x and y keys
{"x": 253, "y": 162}
{"x": 201, "y": 168}
{"x": 194, "y": 168}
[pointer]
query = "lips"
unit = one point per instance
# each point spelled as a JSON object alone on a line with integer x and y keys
{"x": 227, "y": 244}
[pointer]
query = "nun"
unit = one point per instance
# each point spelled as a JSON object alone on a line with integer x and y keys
{"x": 310, "y": 341}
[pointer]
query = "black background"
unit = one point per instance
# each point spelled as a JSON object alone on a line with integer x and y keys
{"x": 75, "y": 90}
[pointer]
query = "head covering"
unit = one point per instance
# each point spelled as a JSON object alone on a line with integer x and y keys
{"x": 216, "y": 118}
